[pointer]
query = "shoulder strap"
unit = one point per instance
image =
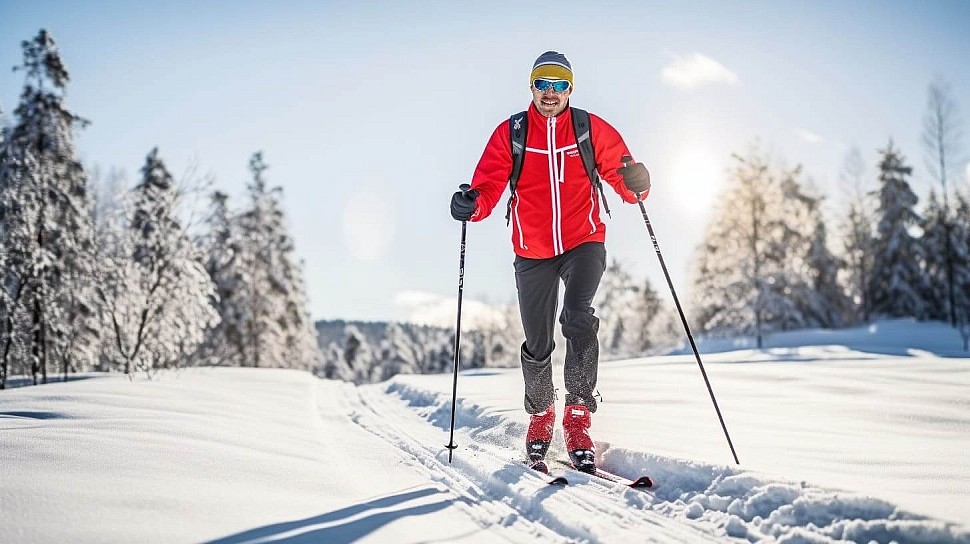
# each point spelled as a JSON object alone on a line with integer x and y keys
{"x": 518, "y": 129}
{"x": 584, "y": 141}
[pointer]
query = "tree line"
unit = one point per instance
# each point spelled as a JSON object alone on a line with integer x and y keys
{"x": 767, "y": 261}
{"x": 633, "y": 322}
{"x": 108, "y": 278}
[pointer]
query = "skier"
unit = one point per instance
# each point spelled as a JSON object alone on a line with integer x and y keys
{"x": 557, "y": 235}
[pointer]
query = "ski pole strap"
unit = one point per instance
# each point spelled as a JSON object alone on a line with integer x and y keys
{"x": 517, "y": 130}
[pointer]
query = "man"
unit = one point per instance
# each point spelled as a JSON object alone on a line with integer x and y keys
{"x": 557, "y": 235}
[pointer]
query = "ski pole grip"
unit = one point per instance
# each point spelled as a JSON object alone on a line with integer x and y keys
{"x": 464, "y": 187}
{"x": 626, "y": 160}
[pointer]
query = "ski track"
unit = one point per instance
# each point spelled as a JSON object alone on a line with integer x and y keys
{"x": 493, "y": 488}
{"x": 693, "y": 502}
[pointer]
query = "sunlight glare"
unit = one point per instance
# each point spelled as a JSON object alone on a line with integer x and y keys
{"x": 696, "y": 178}
{"x": 367, "y": 225}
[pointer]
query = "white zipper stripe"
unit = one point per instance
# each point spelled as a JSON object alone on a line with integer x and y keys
{"x": 552, "y": 184}
{"x": 556, "y": 180}
{"x": 556, "y": 157}
{"x": 546, "y": 151}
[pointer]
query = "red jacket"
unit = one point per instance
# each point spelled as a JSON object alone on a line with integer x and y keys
{"x": 555, "y": 207}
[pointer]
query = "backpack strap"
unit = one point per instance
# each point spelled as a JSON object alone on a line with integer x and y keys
{"x": 518, "y": 128}
{"x": 584, "y": 141}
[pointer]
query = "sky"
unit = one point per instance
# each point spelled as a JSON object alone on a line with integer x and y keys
{"x": 370, "y": 114}
{"x": 857, "y": 435}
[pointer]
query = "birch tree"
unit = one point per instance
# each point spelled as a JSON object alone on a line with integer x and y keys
{"x": 155, "y": 289}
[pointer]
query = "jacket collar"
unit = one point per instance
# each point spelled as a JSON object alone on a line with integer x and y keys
{"x": 564, "y": 116}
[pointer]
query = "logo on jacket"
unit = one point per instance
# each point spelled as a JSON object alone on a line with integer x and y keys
{"x": 572, "y": 153}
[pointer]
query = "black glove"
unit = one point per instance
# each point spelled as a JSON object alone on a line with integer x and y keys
{"x": 635, "y": 177}
{"x": 463, "y": 204}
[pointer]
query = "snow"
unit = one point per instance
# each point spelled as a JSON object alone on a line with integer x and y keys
{"x": 856, "y": 435}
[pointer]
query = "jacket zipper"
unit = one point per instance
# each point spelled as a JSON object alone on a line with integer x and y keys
{"x": 554, "y": 182}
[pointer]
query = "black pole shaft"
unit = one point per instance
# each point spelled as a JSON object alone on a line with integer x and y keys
{"x": 454, "y": 388}
{"x": 683, "y": 319}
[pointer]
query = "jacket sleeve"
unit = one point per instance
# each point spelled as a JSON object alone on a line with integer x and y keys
{"x": 492, "y": 173}
{"x": 609, "y": 148}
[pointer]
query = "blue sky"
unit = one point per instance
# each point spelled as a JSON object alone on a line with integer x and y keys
{"x": 370, "y": 114}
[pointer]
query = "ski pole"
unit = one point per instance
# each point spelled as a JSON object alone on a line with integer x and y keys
{"x": 626, "y": 160}
{"x": 461, "y": 283}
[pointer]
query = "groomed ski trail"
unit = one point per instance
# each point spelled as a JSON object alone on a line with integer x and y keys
{"x": 494, "y": 488}
{"x": 692, "y": 501}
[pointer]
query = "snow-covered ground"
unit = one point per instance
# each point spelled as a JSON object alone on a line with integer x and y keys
{"x": 853, "y": 435}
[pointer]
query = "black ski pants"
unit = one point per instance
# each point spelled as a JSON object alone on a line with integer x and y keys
{"x": 537, "y": 280}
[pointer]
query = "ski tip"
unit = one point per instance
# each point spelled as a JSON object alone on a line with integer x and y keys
{"x": 539, "y": 466}
{"x": 560, "y": 480}
{"x": 642, "y": 482}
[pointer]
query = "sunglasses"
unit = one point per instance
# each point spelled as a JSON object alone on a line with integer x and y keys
{"x": 557, "y": 85}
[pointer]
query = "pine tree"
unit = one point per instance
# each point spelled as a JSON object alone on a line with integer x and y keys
{"x": 811, "y": 268}
{"x": 398, "y": 353}
{"x": 960, "y": 232}
{"x": 358, "y": 355}
{"x": 225, "y": 343}
{"x": 897, "y": 283}
{"x": 626, "y": 311}
{"x": 335, "y": 366}
{"x": 155, "y": 289}
{"x": 276, "y": 325}
{"x": 935, "y": 250}
{"x": 261, "y": 308}
{"x": 45, "y": 211}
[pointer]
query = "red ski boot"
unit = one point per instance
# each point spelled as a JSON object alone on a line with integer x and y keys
{"x": 540, "y": 434}
{"x": 575, "y": 424}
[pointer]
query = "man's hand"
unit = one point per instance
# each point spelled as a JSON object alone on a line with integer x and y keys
{"x": 463, "y": 204}
{"x": 635, "y": 177}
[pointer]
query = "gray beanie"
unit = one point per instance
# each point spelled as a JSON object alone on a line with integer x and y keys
{"x": 552, "y": 64}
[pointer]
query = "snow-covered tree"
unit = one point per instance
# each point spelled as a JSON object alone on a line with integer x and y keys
{"x": 812, "y": 279}
{"x": 936, "y": 251}
{"x": 335, "y": 366}
{"x": 740, "y": 263}
{"x": 47, "y": 276}
{"x": 857, "y": 230}
{"x": 398, "y": 353}
{"x": 155, "y": 289}
{"x": 626, "y": 310}
{"x": 943, "y": 149}
{"x": 359, "y": 356}
{"x": 273, "y": 307}
{"x": 961, "y": 277}
{"x": 765, "y": 264}
{"x": 897, "y": 282}
{"x": 225, "y": 344}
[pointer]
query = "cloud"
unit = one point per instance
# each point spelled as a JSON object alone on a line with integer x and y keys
{"x": 808, "y": 136}
{"x": 442, "y": 311}
{"x": 696, "y": 70}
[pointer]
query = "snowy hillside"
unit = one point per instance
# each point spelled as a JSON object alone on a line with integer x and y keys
{"x": 836, "y": 443}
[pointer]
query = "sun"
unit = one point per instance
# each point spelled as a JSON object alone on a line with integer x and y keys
{"x": 696, "y": 176}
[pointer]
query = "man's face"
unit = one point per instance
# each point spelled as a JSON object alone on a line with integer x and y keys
{"x": 549, "y": 102}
